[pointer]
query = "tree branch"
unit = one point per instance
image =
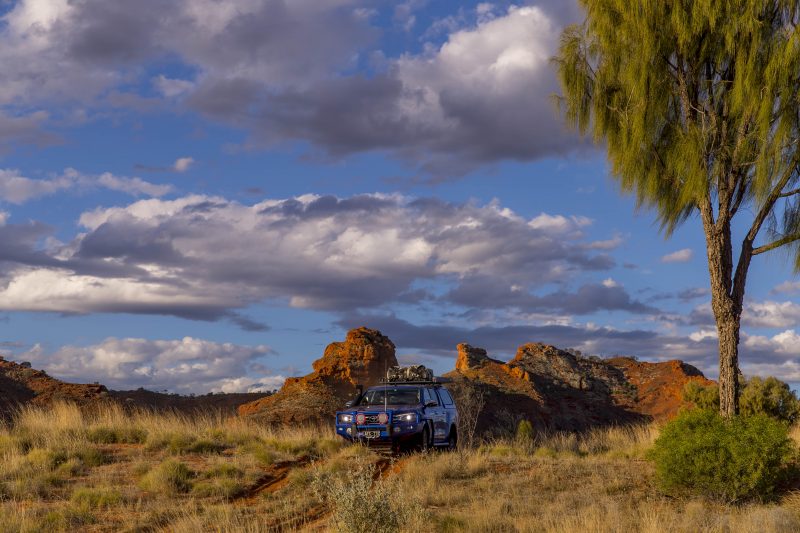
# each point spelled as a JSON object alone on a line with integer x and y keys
{"x": 769, "y": 203}
{"x": 776, "y": 244}
{"x": 789, "y": 193}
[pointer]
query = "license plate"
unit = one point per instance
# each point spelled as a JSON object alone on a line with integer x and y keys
{"x": 372, "y": 434}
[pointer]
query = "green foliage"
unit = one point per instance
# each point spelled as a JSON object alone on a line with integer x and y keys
{"x": 222, "y": 481}
{"x": 695, "y": 100}
{"x": 170, "y": 477}
{"x": 769, "y": 396}
{"x": 108, "y": 435}
{"x": 701, "y": 453}
{"x": 96, "y": 498}
{"x": 702, "y": 396}
{"x": 362, "y": 503}
{"x": 525, "y": 432}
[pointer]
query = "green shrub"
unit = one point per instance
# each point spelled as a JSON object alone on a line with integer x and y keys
{"x": 107, "y": 435}
{"x": 525, "y": 432}
{"x": 769, "y": 396}
{"x": 170, "y": 477}
{"x": 701, "y": 453}
{"x": 702, "y": 396}
{"x": 361, "y": 503}
{"x": 95, "y": 498}
{"x": 205, "y": 446}
{"x": 222, "y": 481}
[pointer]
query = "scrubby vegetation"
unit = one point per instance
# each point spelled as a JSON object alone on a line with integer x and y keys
{"x": 744, "y": 458}
{"x": 108, "y": 470}
{"x": 759, "y": 396}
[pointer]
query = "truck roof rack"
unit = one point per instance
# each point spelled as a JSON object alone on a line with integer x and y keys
{"x": 434, "y": 381}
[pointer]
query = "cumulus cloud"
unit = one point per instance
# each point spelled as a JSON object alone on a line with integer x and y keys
{"x": 185, "y": 365}
{"x": 470, "y": 102}
{"x": 202, "y": 257}
{"x": 770, "y": 314}
{"x": 680, "y": 256}
{"x": 294, "y": 70}
{"x": 17, "y": 189}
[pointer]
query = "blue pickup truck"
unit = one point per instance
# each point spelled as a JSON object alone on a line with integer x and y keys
{"x": 401, "y": 414}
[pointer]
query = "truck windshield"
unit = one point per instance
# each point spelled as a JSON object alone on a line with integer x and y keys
{"x": 391, "y": 397}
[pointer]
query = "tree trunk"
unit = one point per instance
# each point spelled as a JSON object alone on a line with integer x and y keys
{"x": 728, "y": 329}
{"x": 727, "y": 295}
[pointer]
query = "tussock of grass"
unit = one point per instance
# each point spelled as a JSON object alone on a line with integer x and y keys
{"x": 96, "y": 498}
{"x": 170, "y": 477}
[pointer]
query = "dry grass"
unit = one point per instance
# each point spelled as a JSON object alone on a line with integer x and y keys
{"x": 115, "y": 471}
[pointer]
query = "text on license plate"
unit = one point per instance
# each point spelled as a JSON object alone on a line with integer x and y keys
{"x": 372, "y": 434}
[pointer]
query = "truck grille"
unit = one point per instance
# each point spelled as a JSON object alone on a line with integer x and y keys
{"x": 371, "y": 419}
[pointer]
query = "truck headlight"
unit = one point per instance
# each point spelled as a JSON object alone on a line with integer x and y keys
{"x": 346, "y": 419}
{"x": 405, "y": 417}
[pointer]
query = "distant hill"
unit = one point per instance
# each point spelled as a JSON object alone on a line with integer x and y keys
{"x": 22, "y": 385}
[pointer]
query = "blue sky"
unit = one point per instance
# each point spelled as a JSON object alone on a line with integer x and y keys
{"x": 202, "y": 195}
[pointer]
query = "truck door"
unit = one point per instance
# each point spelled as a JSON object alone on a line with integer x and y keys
{"x": 451, "y": 417}
{"x": 437, "y": 414}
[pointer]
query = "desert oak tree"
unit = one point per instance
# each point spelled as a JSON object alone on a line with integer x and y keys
{"x": 698, "y": 105}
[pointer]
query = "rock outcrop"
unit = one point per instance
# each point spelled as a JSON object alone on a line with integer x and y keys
{"x": 556, "y": 389}
{"x": 362, "y": 359}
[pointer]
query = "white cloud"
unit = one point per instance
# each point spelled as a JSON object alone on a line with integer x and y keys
{"x": 202, "y": 256}
{"x": 609, "y": 283}
{"x": 771, "y": 314}
{"x": 132, "y": 186}
{"x": 788, "y": 287}
{"x": 185, "y": 365}
{"x": 680, "y": 256}
{"x": 469, "y": 102}
{"x": 704, "y": 334}
{"x": 17, "y": 189}
{"x": 182, "y": 164}
{"x": 607, "y": 244}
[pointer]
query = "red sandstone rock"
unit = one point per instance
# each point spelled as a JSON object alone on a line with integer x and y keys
{"x": 362, "y": 359}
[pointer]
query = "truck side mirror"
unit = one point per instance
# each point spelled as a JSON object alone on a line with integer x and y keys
{"x": 431, "y": 403}
{"x": 349, "y": 403}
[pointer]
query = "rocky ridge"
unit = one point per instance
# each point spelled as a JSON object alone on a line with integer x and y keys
{"x": 552, "y": 388}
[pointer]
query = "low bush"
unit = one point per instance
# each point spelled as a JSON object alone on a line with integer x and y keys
{"x": 221, "y": 481}
{"x": 362, "y": 503}
{"x": 701, "y": 453}
{"x": 95, "y": 498}
{"x": 170, "y": 477}
{"x": 525, "y": 433}
{"x": 108, "y": 435}
{"x": 768, "y": 396}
